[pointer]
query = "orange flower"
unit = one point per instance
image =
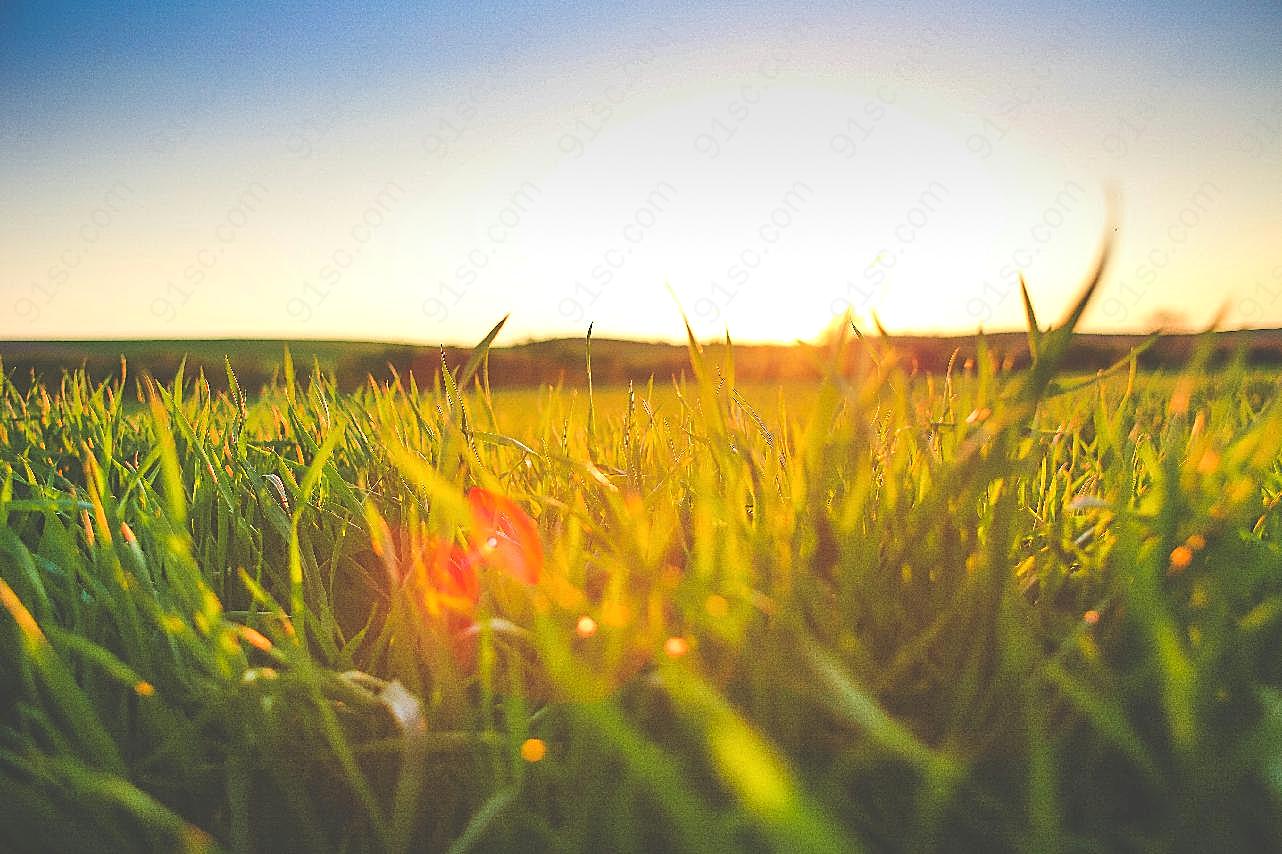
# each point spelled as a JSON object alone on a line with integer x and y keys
{"x": 501, "y": 536}
{"x": 504, "y": 536}
{"x": 452, "y": 573}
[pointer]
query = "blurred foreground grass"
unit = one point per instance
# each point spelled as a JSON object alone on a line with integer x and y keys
{"x": 982, "y": 609}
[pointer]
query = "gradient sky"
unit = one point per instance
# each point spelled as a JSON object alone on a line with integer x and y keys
{"x": 413, "y": 172}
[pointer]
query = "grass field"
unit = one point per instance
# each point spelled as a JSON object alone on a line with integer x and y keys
{"x": 985, "y": 609}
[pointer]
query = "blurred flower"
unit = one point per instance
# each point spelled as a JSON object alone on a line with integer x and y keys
{"x": 501, "y": 535}
{"x": 504, "y": 536}
{"x": 452, "y": 572}
{"x": 498, "y": 535}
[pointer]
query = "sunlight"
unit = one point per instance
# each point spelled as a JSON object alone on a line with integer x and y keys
{"x": 855, "y": 198}
{"x": 675, "y": 427}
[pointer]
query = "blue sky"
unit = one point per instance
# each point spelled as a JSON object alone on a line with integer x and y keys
{"x": 413, "y": 172}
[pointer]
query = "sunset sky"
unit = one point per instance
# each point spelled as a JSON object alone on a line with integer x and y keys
{"x": 413, "y": 172}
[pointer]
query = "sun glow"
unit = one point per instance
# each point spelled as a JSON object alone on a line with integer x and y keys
{"x": 860, "y": 199}
{"x": 771, "y": 177}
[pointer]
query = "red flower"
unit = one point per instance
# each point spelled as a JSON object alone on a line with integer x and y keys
{"x": 504, "y": 536}
{"x": 501, "y": 536}
{"x": 453, "y": 574}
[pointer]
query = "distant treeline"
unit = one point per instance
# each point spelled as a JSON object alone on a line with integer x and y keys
{"x": 564, "y": 360}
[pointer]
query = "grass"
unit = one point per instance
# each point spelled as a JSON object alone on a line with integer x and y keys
{"x": 986, "y": 609}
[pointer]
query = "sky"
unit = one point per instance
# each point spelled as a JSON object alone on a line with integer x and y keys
{"x": 413, "y": 172}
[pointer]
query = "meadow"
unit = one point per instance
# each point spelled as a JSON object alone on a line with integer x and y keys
{"x": 983, "y": 608}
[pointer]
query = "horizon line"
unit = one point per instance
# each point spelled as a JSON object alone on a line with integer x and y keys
{"x": 675, "y": 342}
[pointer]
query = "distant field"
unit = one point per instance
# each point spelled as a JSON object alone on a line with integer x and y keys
{"x": 997, "y": 608}
{"x": 561, "y": 361}
{"x": 524, "y": 411}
